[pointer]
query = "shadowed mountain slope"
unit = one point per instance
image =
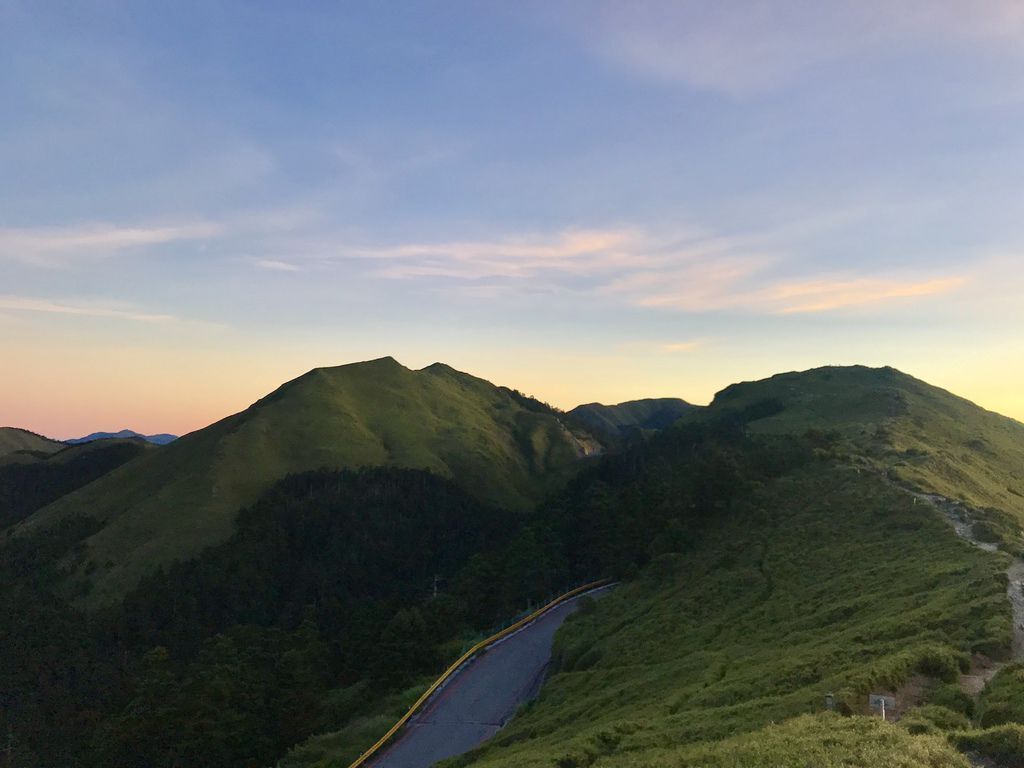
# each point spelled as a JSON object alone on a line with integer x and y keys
{"x": 618, "y": 420}
{"x": 36, "y": 480}
{"x": 173, "y": 502}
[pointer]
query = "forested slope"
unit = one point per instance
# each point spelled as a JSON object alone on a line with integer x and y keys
{"x": 174, "y": 502}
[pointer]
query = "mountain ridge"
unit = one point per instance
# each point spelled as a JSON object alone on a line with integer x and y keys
{"x": 172, "y": 502}
{"x": 767, "y": 544}
{"x": 16, "y": 439}
{"x": 919, "y": 435}
{"x": 632, "y": 415}
{"x": 163, "y": 438}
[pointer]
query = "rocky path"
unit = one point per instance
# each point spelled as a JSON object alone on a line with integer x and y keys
{"x": 959, "y": 516}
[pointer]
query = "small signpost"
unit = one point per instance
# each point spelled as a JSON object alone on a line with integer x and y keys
{"x": 881, "y": 703}
{"x": 830, "y": 701}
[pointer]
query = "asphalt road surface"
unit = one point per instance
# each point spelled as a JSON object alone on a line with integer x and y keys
{"x": 481, "y": 698}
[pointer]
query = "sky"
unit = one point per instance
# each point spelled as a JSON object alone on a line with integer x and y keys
{"x": 588, "y": 201}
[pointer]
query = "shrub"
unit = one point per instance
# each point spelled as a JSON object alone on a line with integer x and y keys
{"x": 932, "y": 718}
{"x": 1004, "y": 743}
{"x": 949, "y": 696}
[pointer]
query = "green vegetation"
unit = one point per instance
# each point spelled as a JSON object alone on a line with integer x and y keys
{"x": 922, "y": 436}
{"x": 824, "y": 580}
{"x": 337, "y": 569}
{"x": 36, "y": 480}
{"x": 317, "y": 614}
{"x": 174, "y": 502}
{"x": 14, "y": 441}
{"x": 933, "y": 718}
{"x": 1004, "y": 743}
{"x": 767, "y": 559}
{"x": 819, "y": 741}
{"x": 635, "y": 416}
{"x": 343, "y": 746}
{"x": 1003, "y": 699}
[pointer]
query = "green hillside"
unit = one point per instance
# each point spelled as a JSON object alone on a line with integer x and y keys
{"x": 13, "y": 440}
{"x": 826, "y": 579}
{"x": 173, "y": 502}
{"x": 768, "y": 550}
{"x": 617, "y": 420}
{"x": 822, "y": 581}
{"x": 764, "y": 567}
{"x": 36, "y": 480}
{"x": 922, "y": 436}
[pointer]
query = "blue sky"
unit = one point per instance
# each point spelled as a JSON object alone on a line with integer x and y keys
{"x": 586, "y": 200}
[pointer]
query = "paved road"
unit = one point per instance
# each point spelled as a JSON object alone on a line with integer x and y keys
{"x": 481, "y": 698}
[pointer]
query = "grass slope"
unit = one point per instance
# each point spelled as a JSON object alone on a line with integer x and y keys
{"x": 14, "y": 440}
{"x": 836, "y": 582}
{"x": 174, "y": 502}
{"x": 823, "y": 581}
{"x": 921, "y": 435}
{"x": 37, "y": 480}
{"x": 653, "y": 413}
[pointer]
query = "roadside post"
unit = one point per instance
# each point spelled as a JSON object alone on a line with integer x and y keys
{"x": 881, "y": 703}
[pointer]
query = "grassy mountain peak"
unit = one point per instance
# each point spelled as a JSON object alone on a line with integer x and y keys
{"x": 175, "y": 501}
{"x": 920, "y": 435}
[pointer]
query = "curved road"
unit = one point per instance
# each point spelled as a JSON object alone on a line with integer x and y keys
{"x": 481, "y": 697}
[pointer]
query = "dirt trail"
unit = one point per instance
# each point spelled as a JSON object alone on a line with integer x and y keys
{"x": 1016, "y": 593}
{"x": 959, "y": 516}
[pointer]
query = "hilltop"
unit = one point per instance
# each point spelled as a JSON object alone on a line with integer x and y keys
{"x": 619, "y": 420}
{"x": 919, "y": 435}
{"x": 173, "y": 502}
{"x": 14, "y": 440}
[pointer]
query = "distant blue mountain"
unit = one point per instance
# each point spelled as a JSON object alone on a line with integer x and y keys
{"x": 162, "y": 439}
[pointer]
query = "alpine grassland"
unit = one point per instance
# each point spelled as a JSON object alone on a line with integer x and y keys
{"x": 920, "y": 435}
{"x": 172, "y": 503}
{"x": 14, "y": 441}
{"x": 826, "y": 580}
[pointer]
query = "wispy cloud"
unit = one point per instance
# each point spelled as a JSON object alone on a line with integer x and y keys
{"x": 571, "y": 251}
{"x": 272, "y": 265}
{"x": 826, "y": 295}
{"x": 740, "y": 48}
{"x": 745, "y": 286}
{"x": 689, "y": 272}
{"x": 87, "y": 309}
{"x": 693, "y": 284}
{"x": 56, "y": 246}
